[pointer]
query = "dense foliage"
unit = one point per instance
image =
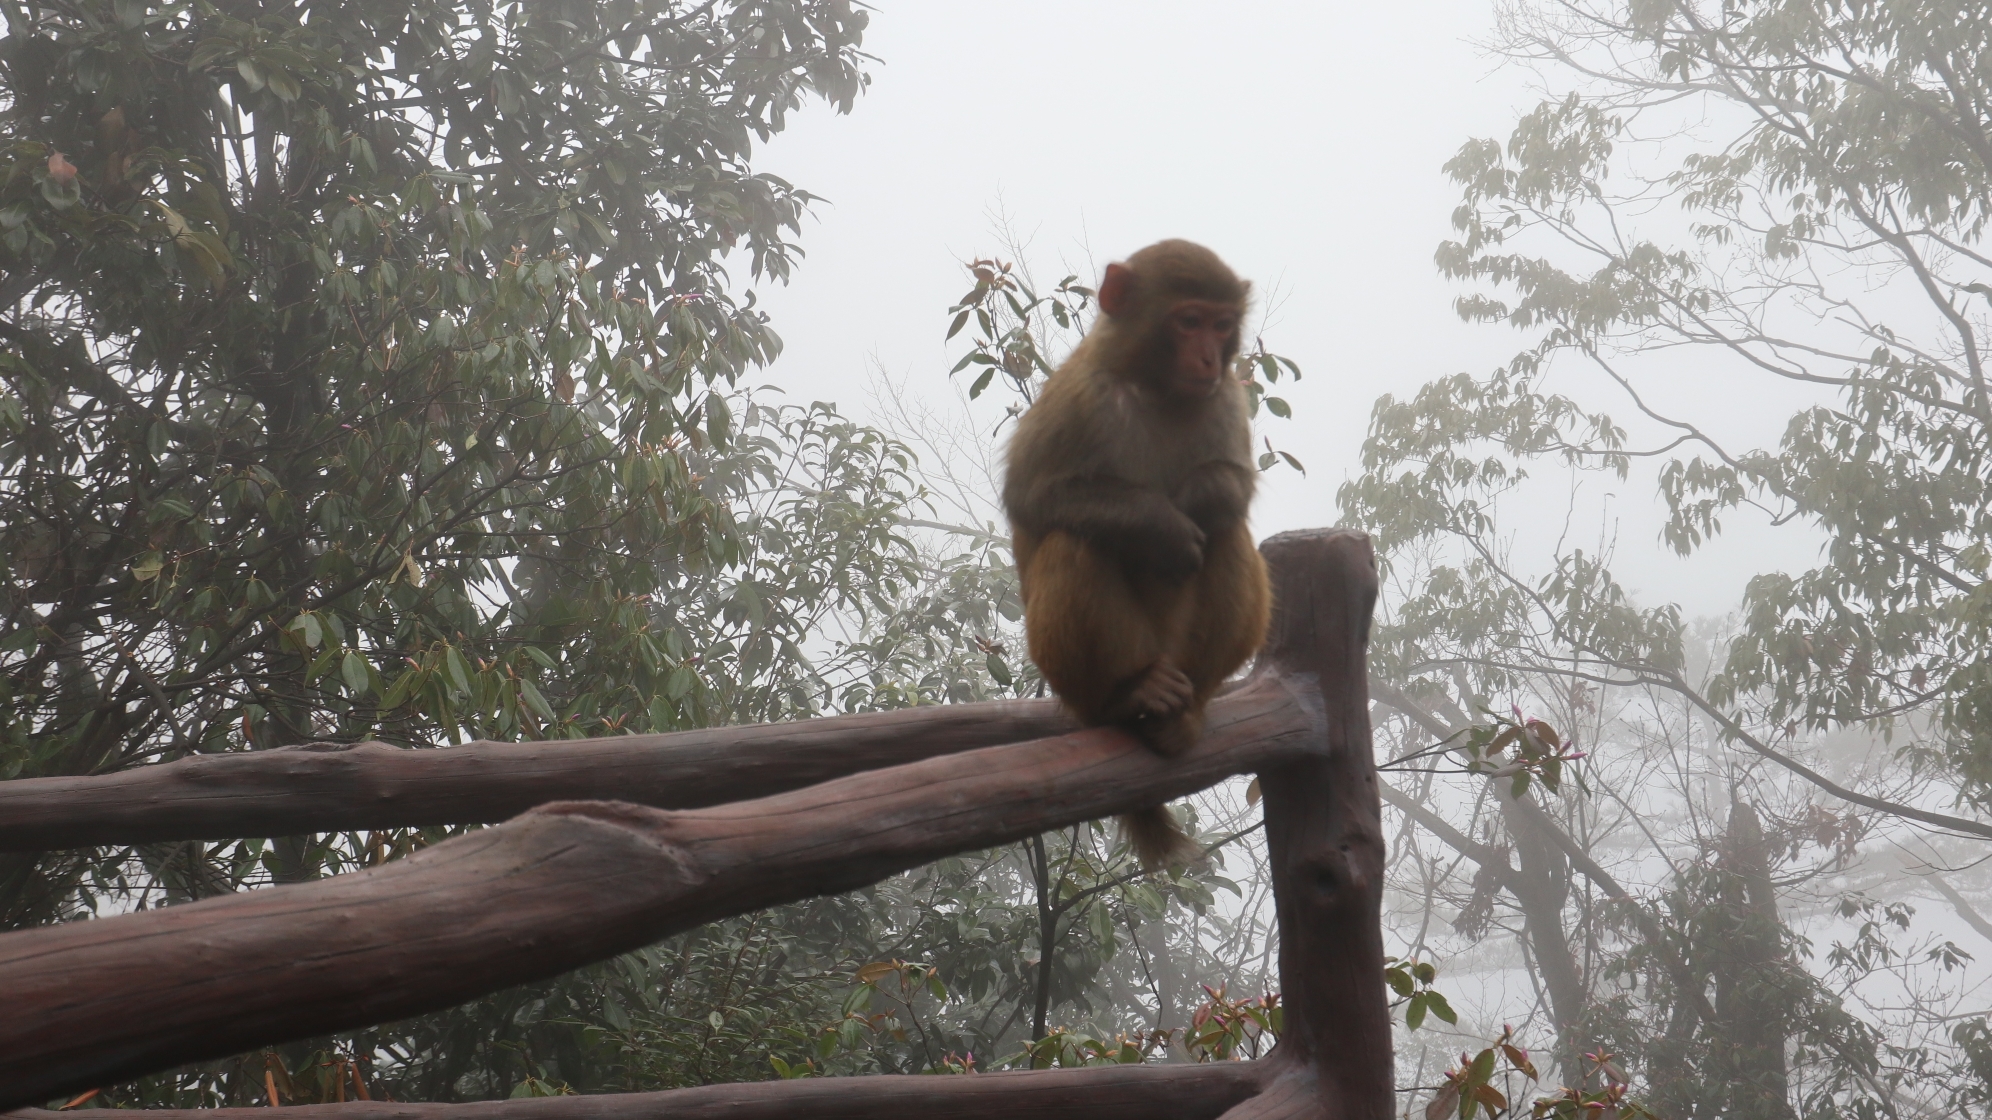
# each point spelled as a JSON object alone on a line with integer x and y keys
{"x": 335, "y": 407}
{"x": 371, "y": 371}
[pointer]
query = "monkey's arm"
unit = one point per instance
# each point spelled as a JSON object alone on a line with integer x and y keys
{"x": 1216, "y": 494}
{"x": 1135, "y": 524}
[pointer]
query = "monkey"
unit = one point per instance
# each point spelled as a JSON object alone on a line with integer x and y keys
{"x": 1127, "y": 484}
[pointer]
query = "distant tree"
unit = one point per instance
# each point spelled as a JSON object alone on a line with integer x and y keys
{"x": 1789, "y": 191}
{"x": 366, "y": 373}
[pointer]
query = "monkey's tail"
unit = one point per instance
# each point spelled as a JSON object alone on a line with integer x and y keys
{"x": 1158, "y": 841}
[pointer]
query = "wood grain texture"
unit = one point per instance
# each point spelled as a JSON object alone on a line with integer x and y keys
{"x": 1149, "y": 1092}
{"x": 328, "y": 787}
{"x": 1324, "y": 840}
{"x": 91, "y": 1003}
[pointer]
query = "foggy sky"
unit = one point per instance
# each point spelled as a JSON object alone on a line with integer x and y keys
{"x": 1302, "y": 142}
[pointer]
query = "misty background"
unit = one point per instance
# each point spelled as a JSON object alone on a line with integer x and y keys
{"x": 1301, "y": 142}
{"x": 1305, "y": 144}
{"x": 591, "y": 377}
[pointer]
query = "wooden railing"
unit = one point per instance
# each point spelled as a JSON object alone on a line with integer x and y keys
{"x": 614, "y": 843}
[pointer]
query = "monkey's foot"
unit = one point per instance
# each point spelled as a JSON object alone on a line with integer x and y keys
{"x": 1170, "y": 737}
{"x": 1162, "y": 693}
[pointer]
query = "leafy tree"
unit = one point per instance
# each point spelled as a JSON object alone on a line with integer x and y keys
{"x": 1788, "y": 191}
{"x": 370, "y": 371}
{"x": 367, "y": 370}
{"x": 367, "y": 373}
{"x": 1846, "y": 156}
{"x": 1024, "y": 328}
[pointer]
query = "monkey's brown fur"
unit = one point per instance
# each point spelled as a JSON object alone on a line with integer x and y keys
{"x": 1127, "y": 489}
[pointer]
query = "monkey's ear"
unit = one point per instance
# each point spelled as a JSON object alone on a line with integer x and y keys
{"x": 1117, "y": 289}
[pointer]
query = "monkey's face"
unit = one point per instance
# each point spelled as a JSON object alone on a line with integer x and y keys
{"x": 1202, "y": 336}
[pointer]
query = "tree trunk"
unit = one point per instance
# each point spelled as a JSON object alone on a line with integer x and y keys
{"x": 1542, "y": 888}
{"x": 1751, "y": 1002}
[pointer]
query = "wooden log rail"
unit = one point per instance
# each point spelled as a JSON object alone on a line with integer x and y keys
{"x": 563, "y": 884}
{"x": 334, "y": 787}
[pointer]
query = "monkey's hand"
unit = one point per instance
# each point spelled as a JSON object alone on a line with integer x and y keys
{"x": 1137, "y": 525}
{"x": 1216, "y": 494}
{"x": 1163, "y": 691}
{"x": 1169, "y": 545}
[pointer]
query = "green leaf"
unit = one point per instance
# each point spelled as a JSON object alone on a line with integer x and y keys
{"x": 612, "y": 1010}
{"x": 308, "y": 630}
{"x": 322, "y": 664}
{"x": 679, "y": 683}
{"x": 1482, "y": 1069}
{"x": 403, "y": 687}
{"x": 208, "y": 51}
{"x": 1100, "y": 922}
{"x": 661, "y": 715}
{"x": 353, "y": 670}
{"x": 458, "y": 670}
{"x": 719, "y": 419}
{"x": 284, "y": 85}
{"x": 859, "y": 999}
{"x": 538, "y": 703}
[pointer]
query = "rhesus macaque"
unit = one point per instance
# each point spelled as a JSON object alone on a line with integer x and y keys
{"x": 1127, "y": 489}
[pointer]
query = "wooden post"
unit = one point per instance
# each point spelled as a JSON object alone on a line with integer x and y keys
{"x": 1324, "y": 836}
